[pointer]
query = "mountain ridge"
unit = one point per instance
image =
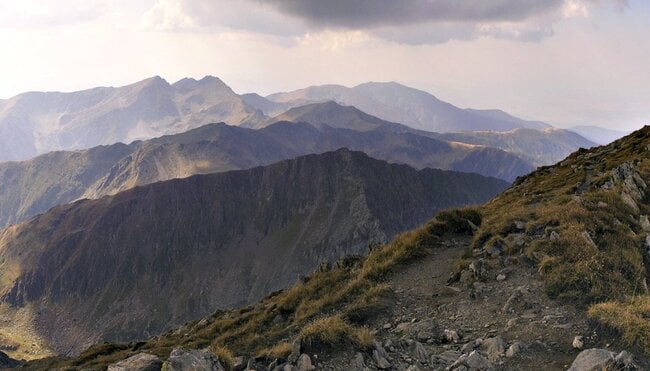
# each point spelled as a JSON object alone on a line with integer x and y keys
{"x": 77, "y": 258}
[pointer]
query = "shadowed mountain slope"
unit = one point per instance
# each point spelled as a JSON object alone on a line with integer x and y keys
{"x": 31, "y": 187}
{"x": 144, "y": 260}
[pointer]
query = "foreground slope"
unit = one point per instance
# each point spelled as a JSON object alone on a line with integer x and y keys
{"x": 141, "y": 261}
{"x": 31, "y": 187}
{"x": 563, "y": 239}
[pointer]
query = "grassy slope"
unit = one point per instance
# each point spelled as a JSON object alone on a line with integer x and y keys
{"x": 587, "y": 242}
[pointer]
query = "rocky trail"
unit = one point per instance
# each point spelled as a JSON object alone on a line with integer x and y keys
{"x": 494, "y": 316}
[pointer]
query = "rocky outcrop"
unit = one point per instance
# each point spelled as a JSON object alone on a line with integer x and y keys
{"x": 138, "y": 362}
{"x": 182, "y": 359}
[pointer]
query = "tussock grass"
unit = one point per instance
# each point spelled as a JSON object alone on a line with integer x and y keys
{"x": 278, "y": 351}
{"x": 631, "y": 318}
{"x": 225, "y": 355}
{"x": 335, "y": 332}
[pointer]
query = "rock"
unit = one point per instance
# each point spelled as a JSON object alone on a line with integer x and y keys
{"x": 289, "y": 367}
{"x": 513, "y": 300}
{"x": 602, "y": 205}
{"x": 473, "y": 361}
{"x": 501, "y": 277}
{"x": 477, "y": 362}
{"x": 468, "y": 348}
{"x": 381, "y": 362}
{"x": 182, "y": 359}
{"x": 645, "y": 223}
{"x": 447, "y": 357}
{"x": 588, "y": 238}
{"x": 413, "y": 368}
{"x": 387, "y": 326}
{"x": 629, "y": 201}
{"x": 304, "y": 363}
{"x": 380, "y": 357}
{"x": 452, "y": 336}
{"x": 421, "y": 353}
{"x": 512, "y": 322}
{"x": 578, "y": 343}
{"x": 554, "y": 236}
{"x": 493, "y": 347}
{"x": 593, "y": 360}
{"x": 519, "y": 224}
{"x": 514, "y": 349}
{"x": 625, "y": 361}
{"x": 480, "y": 269}
{"x": 296, "y": 347}
{"x": 495, "y": 249}
{"x": 358, "y": 363}
{"x": 138, "y": 362}
{"x": 239, "y": 363}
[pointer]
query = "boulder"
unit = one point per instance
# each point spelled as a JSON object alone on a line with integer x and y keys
{"x": 645, "y": 223}
{"x": 421, "y": 354}
{"x": 296, "y": 346}
{"x": 493, "y": 348}
{"x": 473, "y": 361}
{"x": 513, "y": 300}
{"x": 593, "y": 360}
{"x": 480, "y": 270}
{"x": 304, "y": 363}
{"x": 182, "y": 359}
{"x": 358, "y": 363}
{"x": 515, "y": 348}
{"x": 138, "y": 362}
{"x": 380, "y": 356}
{"x": 452, "y": 336}
{"x": 578, "y": 342}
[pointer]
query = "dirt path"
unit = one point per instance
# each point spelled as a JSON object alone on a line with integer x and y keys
{"x": 412, "y": 330}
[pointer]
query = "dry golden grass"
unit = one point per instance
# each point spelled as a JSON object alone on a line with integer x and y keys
{"x": 334, "y": 332}
{"x": 278, "y": 351}
{"x": 225, "y": 355}
{"x": 630, "y": 317}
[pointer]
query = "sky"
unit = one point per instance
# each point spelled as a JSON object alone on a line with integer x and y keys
{"x": 566, "y": 62}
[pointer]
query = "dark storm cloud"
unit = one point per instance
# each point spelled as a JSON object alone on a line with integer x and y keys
{"x": 360, "y": 14}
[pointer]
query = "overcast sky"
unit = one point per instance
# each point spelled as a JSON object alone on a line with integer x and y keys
{"x": 568, "y": 62}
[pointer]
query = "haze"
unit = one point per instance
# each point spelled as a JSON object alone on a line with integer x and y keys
{"x": 566, "y": 62}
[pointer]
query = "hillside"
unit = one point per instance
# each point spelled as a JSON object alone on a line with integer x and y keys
{"x": 539, "y": 147}
{"x": 106, "y": 269}
{"x": 37, "y": 122}
{"x": 31, "y": 187}
{"x": 398, "y": 103}
{"x": 555, "y": 275}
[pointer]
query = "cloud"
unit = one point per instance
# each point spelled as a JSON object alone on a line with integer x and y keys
{"x": 41, "y": 13}
{"x": 404, "y": 21}
{"x": 355, "y": 14}
{"x": 168, "y": 15}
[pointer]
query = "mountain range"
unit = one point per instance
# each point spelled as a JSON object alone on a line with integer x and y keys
{"x": 398, "y": 103}
{"x": 35, "y": 123}
{"x": 119, "y": 267}
{"x": 31, "y": 187}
